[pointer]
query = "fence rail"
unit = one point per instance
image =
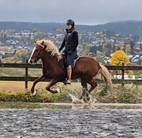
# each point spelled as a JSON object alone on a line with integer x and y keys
{"x": 27, "y": 78}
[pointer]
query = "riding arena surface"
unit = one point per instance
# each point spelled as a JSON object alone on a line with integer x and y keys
{"x": 71, "y": 121}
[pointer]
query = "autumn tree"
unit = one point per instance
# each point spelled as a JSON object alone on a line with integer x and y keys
{"x": 121, "y": 46}
{"x": 0, "y": 59}
{"x": 22, "y": 54}
{"x": 120, "y": 57}
{"x": 85, "y": 49}
{"x": 128, "y": 48}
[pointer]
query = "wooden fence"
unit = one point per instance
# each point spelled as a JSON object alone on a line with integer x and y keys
{"x": 27, "y": 78}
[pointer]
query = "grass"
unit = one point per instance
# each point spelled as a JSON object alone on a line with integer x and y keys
{"x": 127, "y": 94}
{"x": 14, "y": 91}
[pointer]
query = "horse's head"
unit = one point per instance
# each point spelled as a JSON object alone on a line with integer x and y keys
{"x": 37, "y": 51}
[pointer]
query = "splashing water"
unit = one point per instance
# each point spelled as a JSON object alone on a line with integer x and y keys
{"x": 76, "y": 100}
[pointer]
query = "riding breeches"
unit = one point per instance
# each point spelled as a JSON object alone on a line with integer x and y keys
{"x": 70, "y": 58}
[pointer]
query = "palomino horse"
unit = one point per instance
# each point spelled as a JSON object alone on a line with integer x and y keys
{"x": 86, "y": 68}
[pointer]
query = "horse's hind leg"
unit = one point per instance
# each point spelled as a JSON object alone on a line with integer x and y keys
{"x": 85, "y": 95}
{"x": 93, "y": 85}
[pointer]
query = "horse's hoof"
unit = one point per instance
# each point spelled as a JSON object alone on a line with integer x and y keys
{"x": 86, "y": 99}
{"x": 34, "y": 93}
{"x": 58, "y": 90}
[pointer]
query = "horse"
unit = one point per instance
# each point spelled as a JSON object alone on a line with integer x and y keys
{"x": 86, "y": 68}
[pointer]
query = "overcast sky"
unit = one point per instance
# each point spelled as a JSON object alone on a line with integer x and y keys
{"x": 82, "y": 11}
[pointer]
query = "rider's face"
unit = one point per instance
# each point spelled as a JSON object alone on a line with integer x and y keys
{"x": 68, "y": 26}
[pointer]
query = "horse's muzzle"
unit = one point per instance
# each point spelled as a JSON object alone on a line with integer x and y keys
{"x": 33, "y": 60}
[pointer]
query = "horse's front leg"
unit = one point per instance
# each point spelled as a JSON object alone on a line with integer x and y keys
{"x": 42, "y": 78}
{"x": 52, "y": 82}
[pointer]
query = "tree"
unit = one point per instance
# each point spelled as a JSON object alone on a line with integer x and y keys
{"x": 130, "y": 73}
{"x": 120, "y": 57}
{"x": 85, "y": 49}
{"x": 128, "y": 48}
{"x": 0, "y": 59}
{"x": 121, "y": 46}
{"x": 22, "y": 54}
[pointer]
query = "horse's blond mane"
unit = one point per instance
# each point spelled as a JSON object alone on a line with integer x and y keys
{"x": 50, "y": 47}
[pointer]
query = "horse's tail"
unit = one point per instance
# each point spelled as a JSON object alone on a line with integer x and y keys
{"x": 106, "y": 75}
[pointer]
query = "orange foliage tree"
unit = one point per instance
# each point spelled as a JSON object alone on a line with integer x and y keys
{"x": 119, "y": 57}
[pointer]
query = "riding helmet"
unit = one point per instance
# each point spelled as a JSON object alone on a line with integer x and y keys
{"x": 70, "y": 22}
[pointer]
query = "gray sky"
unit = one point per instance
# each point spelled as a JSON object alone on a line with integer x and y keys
{"x": 82, "y": 11}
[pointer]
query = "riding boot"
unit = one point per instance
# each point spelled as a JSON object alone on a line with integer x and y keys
{"x": 69, "y": 73}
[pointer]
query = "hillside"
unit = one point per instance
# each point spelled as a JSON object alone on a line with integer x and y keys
{"x": 123, "y": 27}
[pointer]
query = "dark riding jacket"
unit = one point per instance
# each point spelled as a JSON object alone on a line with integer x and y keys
{"x": 70, "y": 41}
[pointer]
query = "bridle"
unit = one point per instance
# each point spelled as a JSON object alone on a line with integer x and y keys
{"x": 37, "y": 57}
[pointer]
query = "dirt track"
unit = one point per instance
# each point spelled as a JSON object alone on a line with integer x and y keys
{"x": 67, "y": 123}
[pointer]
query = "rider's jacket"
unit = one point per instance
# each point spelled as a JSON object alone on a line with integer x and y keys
{"x": 70, "y": 41}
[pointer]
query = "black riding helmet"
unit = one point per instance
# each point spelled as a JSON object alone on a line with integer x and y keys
{"x": 70, "y": 22}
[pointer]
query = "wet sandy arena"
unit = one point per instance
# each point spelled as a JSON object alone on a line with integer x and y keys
{"x": 69, "y": 123}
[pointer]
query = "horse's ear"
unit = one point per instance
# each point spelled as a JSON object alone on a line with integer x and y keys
{"x": 42, "y": 43}
{"x": 34, "y": 41}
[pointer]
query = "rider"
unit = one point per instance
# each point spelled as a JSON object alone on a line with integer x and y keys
{"x": 70, "y": 43}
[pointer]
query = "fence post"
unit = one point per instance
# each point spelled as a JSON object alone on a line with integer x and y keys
{"x": 26, "y": 76}
{"x": 123, "y": 74}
